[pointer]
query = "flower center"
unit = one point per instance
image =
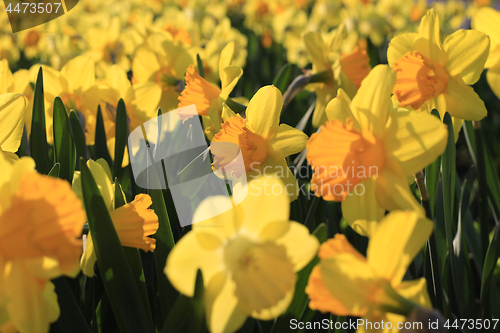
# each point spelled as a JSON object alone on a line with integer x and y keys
{"x": 166, "y": 79}
{"x": 198, "y": 91}
{"x": 262, "y": 272}
{"x": 356, "y": 64}
{"x": 418, "y": 79}
{"x": 72, "y": 101}
{"x": 45, "y": 218}
{"x": 253, "y": 147}
{"x": 342, "y": 157}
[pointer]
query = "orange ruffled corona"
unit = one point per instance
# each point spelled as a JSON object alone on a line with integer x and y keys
{"x": 254, "y": 147}
{"x": 198, "y": 91}
{"x": 355, "y": 156}
{"x": 44, "y": 218}
{"x": 356, "y": 64}
{"x": 418, "y": 79}
{"x": 320, "y": 297}
{"x": 134, "y": 222}
{"x": 178, "y": 34}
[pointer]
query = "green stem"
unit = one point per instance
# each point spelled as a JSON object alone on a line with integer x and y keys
{"x": 431, "y": 243}
{"x": 404, "y": 306}
{"x": 235, "y": 106}
{"x": 483, "y": 188}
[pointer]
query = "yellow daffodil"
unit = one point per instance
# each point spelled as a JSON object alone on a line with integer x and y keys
{"x": 163, "y": 62}
{"x": 105, "y": 47}
{"x": 365, "y": 152}
{"x": 133, "y": 222}
{"x": 18, "y": 82}
{"x": 207, "y": 97}
{"x": 248, "y": 255}
{"x": 11, "y": 124}
{"x": 141, "y": 101}
{"x": 344, "y": 70}
{"x": 487, "y": 20}
{"x": 263, "y": 142}
{"x": 41, "y": 220}
{"x": 73, "y": 85}
{"x": 346, "y": 283}
{"x": 435, "y": 75}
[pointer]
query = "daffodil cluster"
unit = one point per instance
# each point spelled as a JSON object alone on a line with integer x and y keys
{"x": 347, "y": 137}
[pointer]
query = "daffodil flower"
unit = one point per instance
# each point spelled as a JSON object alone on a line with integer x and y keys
{"x": 345, "y": 70}
{"x": 346, "y": 283}
{"x": 161, "y": 61}
{"x": 263, "y": 142}
{"x": 207, "y": 97}
{"x": 365, "y": 152}
{"x": 133, "y": 222}
{"x": 72, "y": 83}
{"x": 12, "y": 108}
{"x": 41, "y": 220}
{"x": 248, "y": 255}
{"x": 141, "y": 102}
{"x": 487, "y": 20}
{"x": 435, "y": 75}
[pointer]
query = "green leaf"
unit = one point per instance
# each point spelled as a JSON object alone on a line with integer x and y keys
{"x": 187, "y": 314}
{"x": 121, "y": 134}
{"x": 78, "y": 136}
{"x": 116, "y": 273}
{"x": 54, "y": 172}
{"x": 448, "y": 180}
{"x": 71, "y": 318}
{"x": 300, "y": 299}
{"x": 201, "y": 70}
{"x": 283, "y": 79}
{"x": 432, "y": 173}
{"x": 101, "y": 143}
{"x": 38, "y": 137}
{"x": 64, "y": 146}
{"x": 490, "y": 263}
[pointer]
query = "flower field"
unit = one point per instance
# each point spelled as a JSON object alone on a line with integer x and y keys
{"x": 250, "y": 166}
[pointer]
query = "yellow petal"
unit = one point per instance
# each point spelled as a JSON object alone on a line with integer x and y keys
{"x": 145, "y": 64}
{"x": 224, "y": 313}
{"x": 11, "y": 121}
{"x": 400, "y": 45}
{"x": 339, "y": 273}
{"x": 339, "y": 108}
{"x": 303, "y": 254}
{"x": 103, "y": 182}
{"x": 462, "y": 101}
{"x": 429, "y": 39}
{"x": 229, "y": 76}
{"x": 396, "y": 242}
{"x": 371, "y": 104}
{"x": 493, "y": 77}
{"x": 88, "y": 258}
{"x": 315, "y": 49}
{"x": 323, "y": 95}
{"x": 392, "y": 189}
{"x": 362, "y": 210}
{"x": 218, "y": 216}
{"x": 186, "y": 258}
{"x": 116, "y": 77}
{"x": 266, "y": 202}
{"x": 414, "y": 139}
{"x": 226, "y": 58}
{"x": 287, "y": 142}
{"x": 6, "y": 77}
{"x": 263, "y": 111}
{"x": 415, "y": 291}
{"x": 279, "y": 169}
{"x": 467, "y": 53}
{"x": 27, "y": 307}
{"x": 79, "y": 73}
{"x": 487, "y": 20}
